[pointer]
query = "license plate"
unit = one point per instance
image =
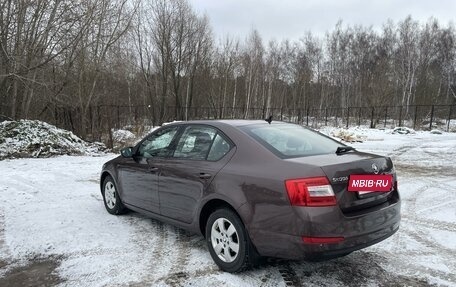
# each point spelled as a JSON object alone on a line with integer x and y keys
{"x": 367, "y": 183}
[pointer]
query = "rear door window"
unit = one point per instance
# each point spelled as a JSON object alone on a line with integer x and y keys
{"x": 289, "y": 140}
{"x": 202, "y": 143}
{"x": 195, "y": 142}
{"x": 219, "y": 148}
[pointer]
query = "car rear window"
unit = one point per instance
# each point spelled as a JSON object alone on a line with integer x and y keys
{"x": 289, "y": 140}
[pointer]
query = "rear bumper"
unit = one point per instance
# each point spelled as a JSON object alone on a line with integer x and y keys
{"x": 358, "y": 231}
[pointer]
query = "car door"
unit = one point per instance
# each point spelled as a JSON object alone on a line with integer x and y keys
{"x": 139, "y": 180}
{"x": 200, "y": 153}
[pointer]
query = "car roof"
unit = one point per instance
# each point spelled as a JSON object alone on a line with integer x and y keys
{"x": 234, "y": 122}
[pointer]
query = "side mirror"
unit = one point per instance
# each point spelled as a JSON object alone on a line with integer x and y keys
{"x": 127, "y": 152}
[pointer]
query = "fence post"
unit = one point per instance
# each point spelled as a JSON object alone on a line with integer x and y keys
{"x": 372, "y": 118}
{"x": 337, "y": 115}
{"x": 386, "y": 116}
{"x": 99, "y": 124}
{"x": 414, "y": 120}
{"x": 400, "y": 116}
{"x": 432, "y": 117}
{"x": 359, "y": 116}
{"x": 56, "y": 115}
{"x": 449, "y": 118}
{"x": 326, "y": 116}
{"x": 307, "y": 121}
{"x": 118, "y": 117}
{"x": 91, "y": 122}
{"x": 348, "y": 115}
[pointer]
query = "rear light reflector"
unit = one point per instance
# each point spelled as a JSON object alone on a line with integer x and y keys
{"x": 313, "y": 191}
{"x": 322, "y": 240}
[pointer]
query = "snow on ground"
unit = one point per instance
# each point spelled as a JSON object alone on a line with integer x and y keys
{"x": 52, "y": 210}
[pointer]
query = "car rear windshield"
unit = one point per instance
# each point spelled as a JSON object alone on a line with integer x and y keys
{"x": 289, "y": 140}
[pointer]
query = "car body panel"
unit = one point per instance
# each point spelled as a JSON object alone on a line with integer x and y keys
{"x": 139, "y": 185}
{"x": 183, "y": 184}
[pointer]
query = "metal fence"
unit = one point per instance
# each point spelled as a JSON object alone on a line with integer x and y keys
{"x": 96, "y": 122}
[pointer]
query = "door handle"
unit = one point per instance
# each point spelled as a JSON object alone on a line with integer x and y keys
{"x": 203, "y": 175}
{"x": 153, "y": 169}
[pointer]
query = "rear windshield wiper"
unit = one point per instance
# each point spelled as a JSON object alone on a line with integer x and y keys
{"x": 344, "y": 149}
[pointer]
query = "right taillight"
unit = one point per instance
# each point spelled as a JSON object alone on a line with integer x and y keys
{"x": 313, "y": 191}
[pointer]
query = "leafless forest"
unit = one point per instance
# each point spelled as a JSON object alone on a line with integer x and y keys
{"x": 90, "y": 62}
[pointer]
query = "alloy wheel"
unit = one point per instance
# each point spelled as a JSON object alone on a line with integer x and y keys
{"x": 225, "y": 240}
{"x": 110, "y": 195}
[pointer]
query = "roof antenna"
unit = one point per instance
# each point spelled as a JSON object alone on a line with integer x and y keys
{"x": 269, "y": 119}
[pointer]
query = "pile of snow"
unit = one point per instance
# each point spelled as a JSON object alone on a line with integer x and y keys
{"x": 403, "y": 130}
{"x": 436, "y": 132}
{"x": 130, "y": 135}
{"x": 27, "y": 138}
{"x": 123, "y": 136}
{"x": 347, "y": 135}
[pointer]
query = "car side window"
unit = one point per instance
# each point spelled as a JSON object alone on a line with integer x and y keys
{"x": 158, "y": 144}
{"x": 195, "y": 143}
{"x": 219, "y": 148}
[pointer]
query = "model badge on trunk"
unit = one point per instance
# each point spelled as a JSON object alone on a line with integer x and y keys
{"x": 340, "y": 179}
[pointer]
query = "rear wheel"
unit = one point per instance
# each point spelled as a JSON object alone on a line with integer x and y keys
{"x": 228, "y": 242}
{"x": 111, "y": 197}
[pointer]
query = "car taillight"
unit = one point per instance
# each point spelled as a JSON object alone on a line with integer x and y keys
{"x": 313, "y": 191}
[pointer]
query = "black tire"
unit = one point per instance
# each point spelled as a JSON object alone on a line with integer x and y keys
{"x": 114, "y": 207}
{"x": 246, "y": 257}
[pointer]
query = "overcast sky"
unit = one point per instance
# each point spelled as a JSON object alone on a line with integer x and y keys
{"x": 280, "y": 19}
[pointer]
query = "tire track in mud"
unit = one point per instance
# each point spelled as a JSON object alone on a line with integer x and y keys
{"x": 447, "y": 254}
{"x": 430, "y": 223}
{"x": 412, "y": 215}
{"x": 157, "y": 228}
{"x": 421, "y": 237}
{"x": 3, "y": 248}
{"x": 400, "y": 151}
{"x": 414, "y": 170}
{"x": 414, "y": 266}
{"x": 265, "y": 279}
{"x": 177, "y": 273}
{"x": 284, "y": 268}
{"x": 358, "y": 269}
{"x": 177, "y": 279}
{"x": 289, "y": 275}
{"x": 415, "y": 226}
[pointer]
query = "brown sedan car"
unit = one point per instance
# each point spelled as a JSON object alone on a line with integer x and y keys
{"x": 254, "y": 188}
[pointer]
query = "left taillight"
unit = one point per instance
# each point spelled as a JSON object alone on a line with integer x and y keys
{"x": 313, "y": 191}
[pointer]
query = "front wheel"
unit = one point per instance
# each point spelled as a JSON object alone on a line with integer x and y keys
{"x": 228, "y": 242}
{"x": 111, "y": 197}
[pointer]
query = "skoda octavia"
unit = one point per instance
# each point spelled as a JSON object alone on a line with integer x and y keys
{"x": 257, "y": 188}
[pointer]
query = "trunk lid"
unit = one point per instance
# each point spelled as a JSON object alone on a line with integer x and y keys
{"x": 338, "y": 168}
